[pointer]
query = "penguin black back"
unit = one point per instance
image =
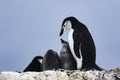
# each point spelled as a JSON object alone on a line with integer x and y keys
{"x": 35, "y": 65}
{"x": 51, "y": 61}
{"x": 66, "y": 57}
{"x": 83, "y": 39}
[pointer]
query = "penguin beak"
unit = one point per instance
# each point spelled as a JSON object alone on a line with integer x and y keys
{"x": 62, "y": 30}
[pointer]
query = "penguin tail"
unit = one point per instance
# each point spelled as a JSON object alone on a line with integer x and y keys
{"x": 98, "y": 68}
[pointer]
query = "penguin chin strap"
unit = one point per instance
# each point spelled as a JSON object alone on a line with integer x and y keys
{"x": 67, "y": 26}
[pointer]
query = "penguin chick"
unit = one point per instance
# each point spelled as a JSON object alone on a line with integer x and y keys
{"x": 51, "y": 61}
{"x": 35, "y": 65}
{"x": 67, "y": 60}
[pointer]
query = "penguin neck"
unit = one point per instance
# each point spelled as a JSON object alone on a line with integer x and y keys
{"x": 71, "y": 45}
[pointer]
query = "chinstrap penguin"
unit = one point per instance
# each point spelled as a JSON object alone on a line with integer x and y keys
{"x": 51, "y": 61}
{"x": 81, "y": 43}
{"x": 66, "y": 58}
{"x": 35, "y": 65}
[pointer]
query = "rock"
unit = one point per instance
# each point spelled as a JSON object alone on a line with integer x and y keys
{"x": 62, "y": 75}
{"x": 45, "y": 75}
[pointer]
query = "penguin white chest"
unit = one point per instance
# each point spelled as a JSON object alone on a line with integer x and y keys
{"x": 70, "y": 40}
{"x": 71, "y": 45}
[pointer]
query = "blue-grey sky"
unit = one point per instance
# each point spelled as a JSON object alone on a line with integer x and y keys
{"x": 31, "y": 27}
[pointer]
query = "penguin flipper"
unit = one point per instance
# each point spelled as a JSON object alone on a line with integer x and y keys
{"x": 76, "y": 44}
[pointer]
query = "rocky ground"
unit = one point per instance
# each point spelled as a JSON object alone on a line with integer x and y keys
{"x": 62, "y": 75}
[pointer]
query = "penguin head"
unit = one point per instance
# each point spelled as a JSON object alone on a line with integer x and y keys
{"x": 72, "y": 23}
{"x": 68, "y": 23}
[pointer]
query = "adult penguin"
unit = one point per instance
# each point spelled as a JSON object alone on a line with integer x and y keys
{"x": 35, "y": 65}
{"x": 81, "y": 43}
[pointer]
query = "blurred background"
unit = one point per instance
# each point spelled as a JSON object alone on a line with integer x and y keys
{"x": 29, "y": 28}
